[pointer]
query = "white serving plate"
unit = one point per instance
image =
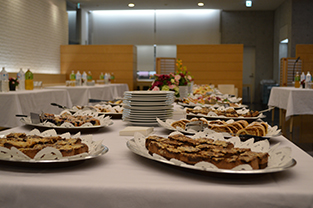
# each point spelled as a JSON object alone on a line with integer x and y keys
{"x": 96, "y": 149}
{"x": 137, "y": 146}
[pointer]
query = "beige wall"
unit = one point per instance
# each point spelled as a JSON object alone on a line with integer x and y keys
{"x": 31, "y": 34}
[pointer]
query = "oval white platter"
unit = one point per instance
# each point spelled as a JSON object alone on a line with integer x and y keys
{"x": 282, "y": 156}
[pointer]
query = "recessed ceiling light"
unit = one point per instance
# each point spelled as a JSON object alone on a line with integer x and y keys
{"x": 200, "y": 4}
{"x": 131, "y": 5}
{"x": 248, "y": 3}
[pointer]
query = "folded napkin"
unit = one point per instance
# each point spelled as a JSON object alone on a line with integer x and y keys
{"x": 130, "y": 130}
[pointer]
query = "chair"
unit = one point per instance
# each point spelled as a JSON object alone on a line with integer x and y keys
{"x": 228, "y": 89}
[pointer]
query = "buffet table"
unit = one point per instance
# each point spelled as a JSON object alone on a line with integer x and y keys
{"x": 121, "y": 178}
{"x": 81, "y": 94}
{"x": 26, "y": 101}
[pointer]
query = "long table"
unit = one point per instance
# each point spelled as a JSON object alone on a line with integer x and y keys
{"x": 81, "y": 94}
{"x": 293, "y": 101}
{"x": 26, "y": 101}
{"x": 296, "y": 101}
{"x": 121, "y": 178}
{"x": 38, "y": 100}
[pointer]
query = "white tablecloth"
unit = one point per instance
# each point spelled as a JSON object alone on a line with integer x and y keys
{"x": 122, "y": 179}
{"x": 81, "y": 94}
{"x": 26, "y": 101}
{"x": 296, "y": 101}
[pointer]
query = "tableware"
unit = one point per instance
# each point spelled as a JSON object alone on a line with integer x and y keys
{"x": 58, "y": 105}
{"x": 149, "y": 108}
{"x": 34, "y": 117}
{"x": 211, "y": 105}
{"x": 96, "y": 149}
{"x": 107, "y": 102}
{"x": 249, "y": 119}
{"x": 271, "y": 132}
{"x": 150, "y": 93}
{"x": 143, "y": 107}
{"x": 105, "y": 121}
{"x": 148, "y": 103}
{"x": 115, "y": 112}
{"x": 280, "y": 160}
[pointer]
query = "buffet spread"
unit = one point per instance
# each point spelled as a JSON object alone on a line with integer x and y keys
{"x": 221, "y": 116}
{"x": 215, "y": 135}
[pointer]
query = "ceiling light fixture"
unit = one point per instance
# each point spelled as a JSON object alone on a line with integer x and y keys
{"x": 248, "y": 3}
{"x": 131, "y": 5}
{"x": 200, "y": 4}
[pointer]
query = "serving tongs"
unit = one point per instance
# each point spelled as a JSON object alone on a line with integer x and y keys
{"x": 196, "y": 126}
{"x": 34, "y": 117}
{"x": 110, "y": 102}
{"x": 66, "y": 108}
{"x": 269, "y": 109}
{"x": 60, "y": 106}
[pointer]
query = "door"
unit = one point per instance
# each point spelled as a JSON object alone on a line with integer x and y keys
{"x": 248, "y": 75}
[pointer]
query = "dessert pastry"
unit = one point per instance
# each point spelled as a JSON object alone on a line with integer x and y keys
{"x": 32, "y": 144}
{"x": 230, "y": 112}
{"x": 180, "y": 124}
{"x": 66, "y": 117}
{"x": 191, "y": 151}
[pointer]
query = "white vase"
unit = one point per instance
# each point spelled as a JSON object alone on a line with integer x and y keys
{"x": 190, "y": 87}
{"x": 183, "y": 91}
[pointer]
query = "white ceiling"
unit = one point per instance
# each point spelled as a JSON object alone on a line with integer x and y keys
{"x": 230, "y": 5}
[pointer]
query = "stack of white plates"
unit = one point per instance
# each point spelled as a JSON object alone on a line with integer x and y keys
{"x": 143, "y": 107}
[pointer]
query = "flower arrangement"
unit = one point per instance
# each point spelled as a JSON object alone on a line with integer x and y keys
{"x": 13, "y": 81}
{"x": 171, "y": 82}
{"x": 182, "y": 76}
{"x": 164, "y": 82}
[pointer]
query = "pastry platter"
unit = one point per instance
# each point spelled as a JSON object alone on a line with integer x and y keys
{"x": 280, "y": 158}
{"x": 271, "y": 132}
{"x": 114, "y": 111}
{"x": 53, "y": 156}
{"x": 217, "y": 105}
{"x": 104, "y": 121}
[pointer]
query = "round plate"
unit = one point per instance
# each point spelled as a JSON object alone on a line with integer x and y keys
{"x": 69, "y": 128}
{"x": 103, "y": 151}
{"x": 150, "y": 93}
{"x": 147, "y": 113}
{"x": 167, "y": 125}
{"x": 191, "y": 115}
{"x": 132, "y": 146}
{"x": 167, "y": 107}
{"x": 148, "y": 98}
{"x": 147, "y": 103}
{"x": 209, "y": 105}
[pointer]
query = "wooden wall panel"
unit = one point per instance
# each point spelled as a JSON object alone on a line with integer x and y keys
{"x": 214, "y": 64}
{"x": 47, "y": 79}
{"x": 305, "y": 52}
{"x": 118, "y": 59}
